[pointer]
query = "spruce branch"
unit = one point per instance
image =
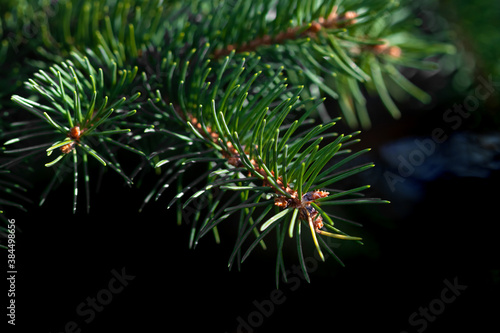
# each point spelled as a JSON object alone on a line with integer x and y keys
{"x": 220, "y": 100}
{"x": 257, "y": 165}
{"x": 308, "y": 30}
{"x": 337, "y": 46}
{"x": 78, "y": 109}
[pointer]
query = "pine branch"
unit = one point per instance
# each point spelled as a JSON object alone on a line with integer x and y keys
{"x": 338, "y": 47}
{"x": 74, "y": 112}
{"x": 309, "y": 30}
{"x": 231, "y": 88}
{"x": 252, "y": 151}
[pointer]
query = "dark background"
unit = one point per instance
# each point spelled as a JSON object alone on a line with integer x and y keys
{"x": 439, "y": 228}
{"x": 449, "y": 234}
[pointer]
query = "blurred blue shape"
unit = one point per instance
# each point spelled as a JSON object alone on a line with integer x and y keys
{"x": 473, "y": 155}
{"x": 463, "y": 154}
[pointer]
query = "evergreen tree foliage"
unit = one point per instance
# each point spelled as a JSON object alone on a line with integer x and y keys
{"x": 233, "y": 88}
